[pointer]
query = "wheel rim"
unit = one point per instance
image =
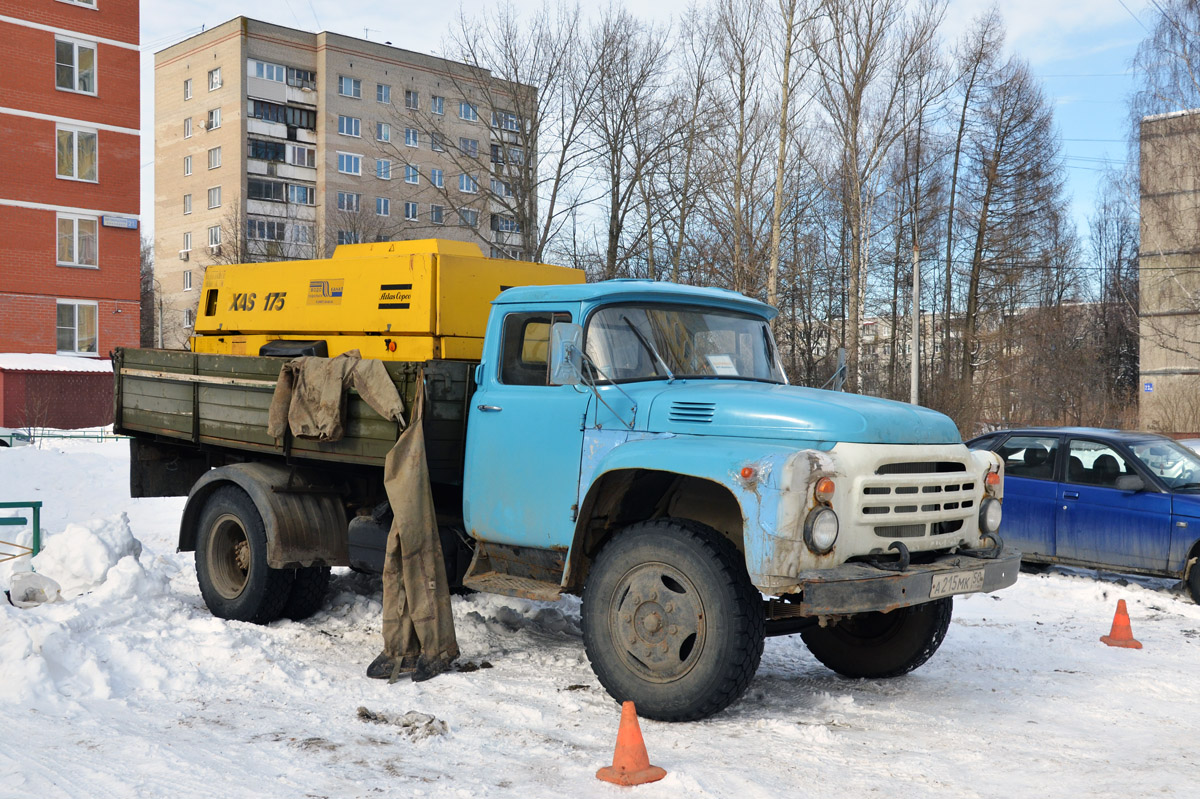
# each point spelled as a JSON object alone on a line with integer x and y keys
{"x": 229, "y": 556}
{"x": 658, "y": 622}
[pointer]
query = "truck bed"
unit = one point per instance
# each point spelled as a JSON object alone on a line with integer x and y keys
{"x": 221, "y": 402}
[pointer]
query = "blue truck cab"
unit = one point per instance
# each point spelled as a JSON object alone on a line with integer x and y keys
{"x": 637, "y": 443}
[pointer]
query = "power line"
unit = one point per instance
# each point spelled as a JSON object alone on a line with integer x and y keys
{"x": 1135, "y": 16}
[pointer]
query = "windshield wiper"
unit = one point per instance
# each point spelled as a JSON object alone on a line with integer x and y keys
{"x": 649, "y": 348}
{"x": 1186, "y": 487}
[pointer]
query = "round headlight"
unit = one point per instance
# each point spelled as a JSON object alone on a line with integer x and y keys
{"x": 821, "y": 530}
{"x": 989, "y": 517}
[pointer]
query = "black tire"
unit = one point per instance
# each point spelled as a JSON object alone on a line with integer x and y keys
{"x": 671, "y": 620}
{"x": 880, "y": 645}
{"x": 1193, "y": 582}
{"x": 231, "y": 561}
{"x": 307, "y": 595}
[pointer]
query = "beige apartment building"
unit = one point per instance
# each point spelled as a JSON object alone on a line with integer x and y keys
{"x": 277, "y": 144}
{"x": 1169, "y": 272}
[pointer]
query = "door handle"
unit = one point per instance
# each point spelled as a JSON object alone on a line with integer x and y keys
{"x": 489, "y": 408}
{"x": 1070, "y": 495}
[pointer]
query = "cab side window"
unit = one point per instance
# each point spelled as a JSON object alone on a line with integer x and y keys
{"x": 1029, "y": 456}
{"x": 525, "y": 347}
{"x": 1095, "y": 464}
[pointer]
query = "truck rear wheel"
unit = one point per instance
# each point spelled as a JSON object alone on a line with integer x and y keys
{"x": 671, "y": 620}
{"x": 307, "y": 594}
{"x": 877, "y": 645}
{"x": 231, "y": 561}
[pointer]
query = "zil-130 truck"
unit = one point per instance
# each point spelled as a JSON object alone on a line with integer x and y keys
{"x": 633, "y": 442}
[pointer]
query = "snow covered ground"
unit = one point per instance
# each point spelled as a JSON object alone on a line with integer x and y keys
{"x": 130, "y": 688}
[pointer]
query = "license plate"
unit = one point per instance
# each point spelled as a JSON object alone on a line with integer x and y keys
{"x": 956, "y": 583}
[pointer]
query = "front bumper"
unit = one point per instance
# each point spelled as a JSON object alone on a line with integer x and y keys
{"x": 860, "y": 587}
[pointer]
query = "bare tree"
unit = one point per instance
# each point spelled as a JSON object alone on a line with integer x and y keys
{"x": 149, "y": 289}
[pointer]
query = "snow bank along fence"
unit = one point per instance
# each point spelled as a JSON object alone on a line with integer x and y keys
{"x": 21, "y": 521}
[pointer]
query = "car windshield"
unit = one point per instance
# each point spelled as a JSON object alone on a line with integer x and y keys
{"x": 1176, "y": 465}
{"x": 638, "y": 342}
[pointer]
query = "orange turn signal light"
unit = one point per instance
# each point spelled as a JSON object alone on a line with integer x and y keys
{"x": 824, "y": 489}
{"x": 747, "y": 472}
{"x": 992, "y": 479}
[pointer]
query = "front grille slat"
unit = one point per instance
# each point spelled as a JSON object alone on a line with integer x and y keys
{"x": 895, "y": 489}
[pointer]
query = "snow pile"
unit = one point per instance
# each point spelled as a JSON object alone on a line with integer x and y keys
{"x": 80, "y": 557}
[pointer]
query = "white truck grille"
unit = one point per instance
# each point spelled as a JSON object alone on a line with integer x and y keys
{"x": 914, "y": 499}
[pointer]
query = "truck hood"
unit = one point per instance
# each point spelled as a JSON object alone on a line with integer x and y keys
{"x": 764, "y": 410}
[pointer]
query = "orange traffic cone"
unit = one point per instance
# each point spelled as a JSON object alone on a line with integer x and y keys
{"x": 1122, "y": 634}
{"x": 631, "y": 764}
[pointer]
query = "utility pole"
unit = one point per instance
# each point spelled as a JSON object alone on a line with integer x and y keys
{"x": 915, "y": 358}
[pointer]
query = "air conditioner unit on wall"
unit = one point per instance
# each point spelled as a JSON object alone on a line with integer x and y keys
{"x": 183, "y": 254}
{"x": 214, "y": 249}
{"x": 202, "y": 124}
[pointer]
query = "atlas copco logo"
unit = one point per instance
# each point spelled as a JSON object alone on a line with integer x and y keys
{"x": 325, "y": 292}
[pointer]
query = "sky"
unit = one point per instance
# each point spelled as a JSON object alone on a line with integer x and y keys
{"x": 1080, "y": 49}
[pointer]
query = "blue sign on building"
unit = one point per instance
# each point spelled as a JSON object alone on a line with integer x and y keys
{"x": 1148, "y": 387}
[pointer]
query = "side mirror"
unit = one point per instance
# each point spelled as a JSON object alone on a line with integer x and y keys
{"x": 1130, "y": 482}
{"x": 478, "y": 374}
{"x": 566, "y": 354}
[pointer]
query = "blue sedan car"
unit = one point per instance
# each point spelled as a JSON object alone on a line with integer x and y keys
{"x": 1101, "y": 499}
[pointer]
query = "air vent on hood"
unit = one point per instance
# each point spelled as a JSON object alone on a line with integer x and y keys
{"x": 695, "y": 412}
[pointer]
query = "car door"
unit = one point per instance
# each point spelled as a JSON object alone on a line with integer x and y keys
{"x": 524, "y": 441}
{"x": 1030, "y": 492}
{"x": 1102, "y": 524}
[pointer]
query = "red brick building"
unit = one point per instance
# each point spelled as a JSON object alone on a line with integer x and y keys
{"x": 69, "y": 183}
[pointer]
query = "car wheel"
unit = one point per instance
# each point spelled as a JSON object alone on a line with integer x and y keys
{"x": 878, "y": 645}
{"x": 231, "y": 561}
{"x": 671, "y": 620}
{"x": 1193, "y": 582}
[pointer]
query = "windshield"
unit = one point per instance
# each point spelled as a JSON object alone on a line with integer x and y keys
{"x": 634, "y": 342}
{"x": 1176, "y": 465}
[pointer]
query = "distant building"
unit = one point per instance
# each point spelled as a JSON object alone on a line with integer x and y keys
{"x": 278, "y": 144}
{"x": 69, "y": 204}
{"x": 1169, "y": 272}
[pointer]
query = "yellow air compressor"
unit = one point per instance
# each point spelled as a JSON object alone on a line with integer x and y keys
{"x": 394, "y": 300}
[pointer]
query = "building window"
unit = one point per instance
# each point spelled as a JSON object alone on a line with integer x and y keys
{"x": 468, "y": 184}
{"x": 269, "y": 190}
{"x": 214, "y": 236}
{"x": 301, "y": 78}
{"x": 348, "y": 201}
{"x": 261, "y": 69}
{"x": 412, "y": 100}
{"x": 187, "y": 165}
{"x": 214, "y": 158}
{"x": 383, "y": 206}
{"x": 214, "y": 119}
{"x": 436, "y": 177}
{"x": 214, "y": 79}
{"x": 383, "y": 169}
{"x": 383, "y": 131}
{"x": 501, "y": 188}
{"x": 437, "y": 104}
{"x": 187, "y": 278}
{"x": 506, "y": 120}
{"x": 469, "y": 147}
{"x": 289, "y": 115}
{"x": 350, "y": 126}
{"x": 383, "y": 93}
{"x": 187, "y": 204}
{"x": 187, "y": 128}
{"x": 412, "y": 174}
{"x": 302, "y": 195}
{"x": 468, "y": 217}
{"x": 302, "y": 156}
{"x": 187, "y": 89}
{"x": 505, "y": 224}
{"x": 437, "y": 142}
{"x": 266, "y": 150}
{"x": 349, "y": 164}
{"x": 187, "y": 243}
{"x": 411, "y": 138}
{"x": 75, "y": 65}
{"x": 214, "y": 197}
{"x": 77, "y": 240}
{"x": 264, "y": 230}
{"x": 189, "y": 318}
{"x": 349, "y": 87}
{"x": 77, "y": 325}
{"x": 467, "y": 111}
{"x": 437, "y": 214}
{"x": 349, "y": 237}
{"x": 300, "y": 234}
{"x": 77, "y": 154}
{"x": 410, "y": 212}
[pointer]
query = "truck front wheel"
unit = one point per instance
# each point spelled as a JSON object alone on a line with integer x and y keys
{"x": 877, "y": 645}
{"x": 231, "y": 561}
{"x": 671, "y": 620}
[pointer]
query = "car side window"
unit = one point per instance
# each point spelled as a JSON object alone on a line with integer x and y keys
{"x": 525, "y": 347}
{"x": 1095, "y": 464}
{"x": 1029, "y": 456}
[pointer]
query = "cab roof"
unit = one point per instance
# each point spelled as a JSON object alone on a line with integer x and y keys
{"x": 634, "y": 290}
